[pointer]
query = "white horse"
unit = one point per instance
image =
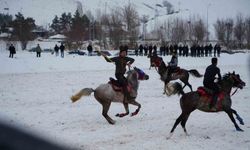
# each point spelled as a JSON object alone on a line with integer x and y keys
{"x": 105, "y": 94}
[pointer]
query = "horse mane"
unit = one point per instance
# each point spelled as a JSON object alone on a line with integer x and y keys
{"x": 226, "y": 76}
{"x": 162, "y": 68}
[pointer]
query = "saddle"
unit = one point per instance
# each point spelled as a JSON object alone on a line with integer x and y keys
{"x": 117, "y": 87}
{"x": 208, "y": 93}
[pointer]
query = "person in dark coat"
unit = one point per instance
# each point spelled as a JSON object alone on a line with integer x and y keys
{"x": 62, "y": 47}
{"x": 38, "y": 51}
{"x": 12, "y": 51}
{"x": 209, "y": 77}
{"x": 141, "y": 50}
{"x": 218, "y": 50}
{"x": 172, "y": 65}
{"x": 121, "y": 62}
{"x": 90, "y": 49}
{"x": 56, "y": 49}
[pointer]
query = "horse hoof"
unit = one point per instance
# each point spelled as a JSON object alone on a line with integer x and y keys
{"x": 111, "y": 122}
{"x": 239, "y": 129}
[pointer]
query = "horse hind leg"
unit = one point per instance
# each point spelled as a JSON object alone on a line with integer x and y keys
{"x": 183, "y": 123}
{"x": 178, "y": 120}
{"x": 105, "y": 109}
{"x": 123, "y": 114}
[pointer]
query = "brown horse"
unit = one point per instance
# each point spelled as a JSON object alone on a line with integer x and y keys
{"x": 181, "y": 74}
{"x": 105, "y": 94}
{"x": 200, "y": 100}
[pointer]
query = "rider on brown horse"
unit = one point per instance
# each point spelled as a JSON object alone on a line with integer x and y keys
{"x": 120, "y": 62}
{"x": 172, "y": 65}
{"x": 209, "y": 77}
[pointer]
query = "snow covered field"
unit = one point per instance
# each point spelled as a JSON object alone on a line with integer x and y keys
{"x": 35, "y": 95}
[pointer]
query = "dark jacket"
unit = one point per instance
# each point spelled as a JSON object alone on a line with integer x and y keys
{"x": 90, "y": 48}
{"x": 12, "y": 49}
{"x": 62, "y": 47}
{"x": 173, "y": 62}
{"x": 210, "y": 73}
{"x": 120, "y": 63}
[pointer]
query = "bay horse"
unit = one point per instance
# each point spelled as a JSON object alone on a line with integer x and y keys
{"x": 200, "y": 100}
{"x": 105, "y": 94}
{"x": 181, "y": 74}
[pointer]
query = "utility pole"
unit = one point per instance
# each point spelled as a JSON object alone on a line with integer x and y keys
{"x": 207, "y": 22}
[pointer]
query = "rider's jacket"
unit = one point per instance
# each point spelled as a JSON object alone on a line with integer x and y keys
{"x": 120, "y": 63}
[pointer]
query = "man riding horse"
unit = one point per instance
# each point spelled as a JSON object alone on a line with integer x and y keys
{"x": 121, "y": 62}
{"x": 209, "y": 77}
{"x": 172, "y": 65}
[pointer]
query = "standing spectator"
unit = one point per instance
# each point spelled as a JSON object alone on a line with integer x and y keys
{"x": 38, "y": 51}
{"x": 141, "y": 50}
{"x": 218, "y": 50}
{"x": 12, "y": 51}
{"x": 150, "y": 49}
{"x": 56, "y": 49}
{"x": 62, "y": 47}
{"x": 215, "y": 50}
{"x": 206, "y": 50}
{"x": 145, "y": 50}
{"x": 167, "y": 50}
{"x": 90, "y": 49}
{"x": 154, "y": 49}
{"x": 162, "y": 50}
{"x": 136, "y": 49}
{"x": 210, "y": 48}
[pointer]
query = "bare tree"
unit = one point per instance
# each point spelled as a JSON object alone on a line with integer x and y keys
{"x": 179, "y": 31}
{"x": 229, "y": 32}
{"x": 220, "y": 30}
{"x": 132, "y": 22}
{"x": 116, "y": 30}
{"x": 199, "y": 31}
{"x": 247, "y": 29}
{"x": 239, "y": 30}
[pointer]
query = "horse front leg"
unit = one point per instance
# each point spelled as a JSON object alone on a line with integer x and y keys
{"x": 136, "y": 104}
{"x": 126, "y": 109}
{"x": 230, "y": 114}
{"x": 237, "y": 116}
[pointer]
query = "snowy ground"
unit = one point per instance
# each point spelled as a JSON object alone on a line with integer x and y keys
{"x": 35, "y": 92}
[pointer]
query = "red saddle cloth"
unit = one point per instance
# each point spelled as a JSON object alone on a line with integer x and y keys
{"x": 116, "y": 86}
{"x": 208, "y": 93}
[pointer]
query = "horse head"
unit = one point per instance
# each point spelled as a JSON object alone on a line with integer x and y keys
{"x": 237, "y": 82}
{"x": 157, "y": 61}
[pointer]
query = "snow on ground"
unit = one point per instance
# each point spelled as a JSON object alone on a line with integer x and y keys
{"x": 35, "y": 95}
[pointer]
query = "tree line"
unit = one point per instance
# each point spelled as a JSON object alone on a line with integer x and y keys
{"x": 121, "y": 25}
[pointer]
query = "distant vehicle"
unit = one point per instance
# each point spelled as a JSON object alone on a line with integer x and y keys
{"x": 33, "y": 49}
{"x": 97, "y": 53}
{"x": 77, "y": 52}
{"x": 130, "y": 53}
{"x": 46, "y": 50}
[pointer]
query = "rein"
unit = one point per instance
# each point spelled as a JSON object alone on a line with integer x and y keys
{"x": 234, "y": 91}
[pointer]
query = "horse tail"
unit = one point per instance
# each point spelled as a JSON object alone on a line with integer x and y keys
{"x": 174, "y": 88}
{"x": 83, "y": 92}
{"x": 195, "y": 73}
